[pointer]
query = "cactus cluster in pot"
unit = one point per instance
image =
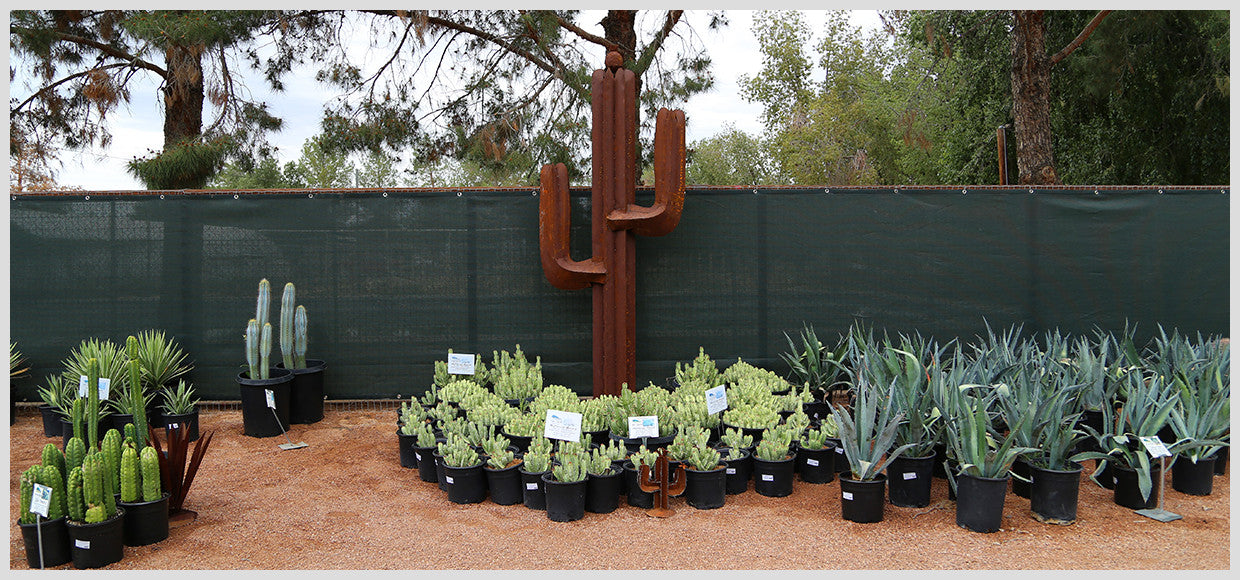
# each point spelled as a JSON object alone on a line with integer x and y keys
{"x": 704, "y": 458}
{"x": 457, "y": 452}
{"x": 571, "y": 464}
{"x": 600, "y": 463}
{"x": 774, "y": 446}
{"x": 687, "y": 438}
{"x": 735, "y": 439}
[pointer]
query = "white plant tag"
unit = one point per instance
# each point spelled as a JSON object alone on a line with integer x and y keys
{"x": 1155, "y": 446}
{"x": 271, "y": 398}
{"x": 847, "y": 495}
{"x": 647, "y": 426}
{"x": 449, "y": 479}
{"x": 731, "y": 471}
{"x": 716, "y": 400}
{"x": 531, "y": 485}
{"x": 40, "y": 499}
{"x": 563, "y": 425}
{"x": 174, "y": 425}
{"x": 83, "y": 544}
{"x": 461, "y": 363}
{"x": 417, "y": 455}
{"x": 811, "y": 462}
{"x": 768, "y": 477}
{"x": 910, "y": 475}
{"x": 104, "y": 387}
{"x": 839, "y": 450}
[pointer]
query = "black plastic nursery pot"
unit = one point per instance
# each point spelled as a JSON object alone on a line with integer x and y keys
{"x": 521, "y": 442}
{"x": 97, "y": 545}
{"x": 566, "y": 501}
{"x": 633, "y": 490}
{"x": 1220, "y": 461}
{"x": 53, "y": 536}
{"x": 909, "y": 480}
{"x": 1020, "y": 487}
{"x": 119, "y": 420}
{"x": 738, "y": 472}
{"x": 1128, "y": 490}
{"x": 466, "y": 484}
{"x": 146, "y": 522}
{"x": 841, "y": 460}
{"x": 425, "y": 458}
{"x": 1054, "y": 494}
{"x": 635, "y": 443}
{"x": 306, "y": 393}
{"x": 66, "y": 429}
{"x": 257, "y": 418}
{"x": 862, "y": 500}
{"x": 532, "y": 491}
{"x": 756, "y": 433}
{"x": 979, "y": 502}
{"x": 440, "y": 472}
{"x": 706, "y": 490}
{"x": 817, "y": 465}
{"x": 773, "y": 478}
{"x": 603, "y": 492}
{"x": 405, "y": 448}
{"x": 1193, "y": 478}
{"x": 186, "y": 422}
{"x": 51, "y": 420}
{"x": 504, "y": 485}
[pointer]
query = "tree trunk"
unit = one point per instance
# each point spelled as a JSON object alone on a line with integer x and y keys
{"x": 1031, "y": 94}
{"x": 183, "y": 95}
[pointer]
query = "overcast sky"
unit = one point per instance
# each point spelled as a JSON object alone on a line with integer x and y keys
{"x": 138, "y": 129}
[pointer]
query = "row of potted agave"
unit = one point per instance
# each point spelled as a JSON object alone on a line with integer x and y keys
{"x": 105, "y": 492}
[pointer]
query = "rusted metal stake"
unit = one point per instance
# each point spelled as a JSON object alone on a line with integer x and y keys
{"x": 616, "y": 219}
{"x": 662, "y": 484}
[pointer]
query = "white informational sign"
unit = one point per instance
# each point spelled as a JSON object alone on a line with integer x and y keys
{"x": 643, "y": 427}
{"x": 847, "y": 495}
{"x": 104, "y": 383}
{"x": 460, "y": 363}
{"x": 562, "y": 425}
{"x": 1155, "y": 446}
{"x": 271, "y": 398}
{"x": 40, "y": 499}
{"x": 716, "y": 400}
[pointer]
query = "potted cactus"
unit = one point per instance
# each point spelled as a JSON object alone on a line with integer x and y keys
{"x": 705, "y": 478}
{"x": 502, "y": 469}
{"x": 46, "y": 540}
{"x": 565, "y": 484}
{"x": 306, "y": 391}
{"x": 816, "y": 457}
{"x": 95, "y": 522}
{"x": 412, "y": 420}
{"x": 603, "y": 483}
{"x": 424, "y": 447}
{"x": 536, "y": 464}
{"x": 634, "y": 495}
{"x": 463, "y": 475}
{"x": 142, "y": 496}
{"x": 265, "y": 391}
{"x": 773, "y": 463}
{"x": 737, "y": 450}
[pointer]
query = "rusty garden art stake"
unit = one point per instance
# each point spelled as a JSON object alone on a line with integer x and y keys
{"x": 615, "y": 221}
{"x": 662, "y": 483}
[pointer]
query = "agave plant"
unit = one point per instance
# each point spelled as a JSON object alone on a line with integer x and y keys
{"x": 815, "y": 365}
{"x": 113, "y": 362}
{"x": 869, "y": 432}
{"x": 978, "y": 450}
{"x": 16, "y": 360}
{"x": 1203, "y": 411}
{"x": 162, "y": 360}
{"x": 59, "y": 393}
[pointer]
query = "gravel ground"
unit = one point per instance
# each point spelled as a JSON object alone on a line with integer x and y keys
{"x": 344, "y": 502}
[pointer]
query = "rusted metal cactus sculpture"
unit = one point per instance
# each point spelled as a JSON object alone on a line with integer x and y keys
{"x": 616, "y": 219}
{"x": 662, "y": 483}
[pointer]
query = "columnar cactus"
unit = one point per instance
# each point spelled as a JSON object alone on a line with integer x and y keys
{"x": 54, "y": 457}
{"x": 28, "y": 479}
{"x": 703, "y": 458}
{"x": 252, "y": 332}
{"x": 135, "y": 386}
{"x": 111, "y": 451}
{"x": 92, "y": 404}
{"x": 74, "y": 501}
{"x": 92, "y": 481}
{"x": 131, "y": 433}
{"x": 572, "y": 467}
{"x": 599, "y": 463}
{"x": 75, "y": 453}
{"x": 52, "y": 477}
{"x": 264, "y": 351}
{"x": 151, "y": 488}
{"x": 301, "y": 339}
{"x": 77, "y": 415}
{"x": 130, "y": 475}
{"x": 287, "y": 304}
{"x": 264, "y": 302}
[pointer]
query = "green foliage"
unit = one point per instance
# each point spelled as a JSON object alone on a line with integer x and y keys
{"x": 643, "y": 456}
{"x": 686, "y": 439}
{"x": 736, "y": 439}
{"x": 457, "y": 452}
{"x": 53, "y": 457}
{"x": 59, "y": 393}
{"x": 703, "y": 458}
{"x": 111, "y": 450}
{"x": 75, "y": 453}
{"x": 185, "y": 164}
{"x": 513, "y": 377}
{"x": 131, "y": 475}
{"x": 181, "y": 400}
{"x": 74, "y": 501}
{"x": 815, "y": 365}
{"x": 571, "y": 465}
{"x": 703, "y": 370}
{"x": 26, "y": 493}
{"x": 774, "y": 445}
{"x": 730, "y": 157}
{"x": 868, "y": 433}
{"x": 600, "y": 463}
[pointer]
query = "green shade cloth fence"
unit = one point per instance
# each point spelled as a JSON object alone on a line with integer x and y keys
{"x": 392, "y": 279}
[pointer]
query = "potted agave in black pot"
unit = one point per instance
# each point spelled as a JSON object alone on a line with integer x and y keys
{"x": 180, "y": 409}
{"x": 867, "y": 436}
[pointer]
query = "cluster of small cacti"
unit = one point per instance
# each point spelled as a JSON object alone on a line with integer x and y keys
{"x": 571, "y": 465}
{"x": 443, "y": 377}
{"x": 703, "y": 371}
{"x": 457, "y": 452}
{"x": 687, "y": 438}
{"x": 736, "y": 439}
{"x": 496, "y": 443}
{"x": 441, "y": 412}
{"x": 743, "y": 373}
{"x": 829, "y": 427}
{"x": 555, "y": 397}
{"x": 600, "y": 463}
{"x": 569, "y": 448}
{"x": 643, "y": 456}
{"x": 734, "y": 453}
{"x": 525, "y": 425}
{"x": 258, "y": 335}
{"x": 797, "y": 422}
{"x": 513, "y": 377}
{"x": 477, "y": 433}
{"x": 595, "y": 414}
{"x": 689, "y": 408}
{"x": 90, "y": 497}
{"x": 425, "y": 435}
{"x": 813, "y": 439}
{"x": 496, "y": 414}
{"x": 46, "y": 475}
{"x": 774, "y": 445}
{"x": 412, "y": 415}
{"x": 703, "y": 458}
{"x": 459, "y": 390}
{"x": 751, "y": 417}
{"x": 615, "y": 450}
{"x": 650, "y": 401}
{"x": 537, "y": 461}
{"x": 498, "y": 453}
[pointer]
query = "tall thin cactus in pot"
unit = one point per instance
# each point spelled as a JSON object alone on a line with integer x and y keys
{"x": 287, "y": 303}
{"x": 252, "y": 333}
{"x": 135, "y": 388}
{"x": 300, "y": 338}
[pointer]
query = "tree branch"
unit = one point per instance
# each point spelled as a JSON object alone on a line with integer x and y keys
{"x": 573, "y": 28}
{"x": 1080, "y": 38}
{"x": 107, "y": 49}
{"x": 71, "y": 77}
{"x": 648, "y": 53}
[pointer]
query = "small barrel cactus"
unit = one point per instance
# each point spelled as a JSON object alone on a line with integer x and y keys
{"x": 151, "y": 488}
{"x": 130, "y": 475}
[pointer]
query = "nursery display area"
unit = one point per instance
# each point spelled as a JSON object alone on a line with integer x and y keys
{"x": 1006, "y": 405}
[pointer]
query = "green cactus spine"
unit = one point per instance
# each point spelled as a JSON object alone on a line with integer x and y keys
{"x": 300, "y": 338}
{"x": 135, "y": 386}
{"x": 75, "y": 453}
{"x": 151, "y": 489}
{"x": 50, "y": 475}
{"x": 73, "y": 496}
{"x": 76, "y": 414}
{"x": 53, "y": 457}
{"x": 251, "y": 348}
{"x": 92, "y": 404}
{"x": 129, "y": 475}
{"x": 264, "y": 302}
{"x": 264, "y": 352}
{"x": 287, "y": 304}
{"x": 28, "y": 479}
{"x": 112, "y": 458}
